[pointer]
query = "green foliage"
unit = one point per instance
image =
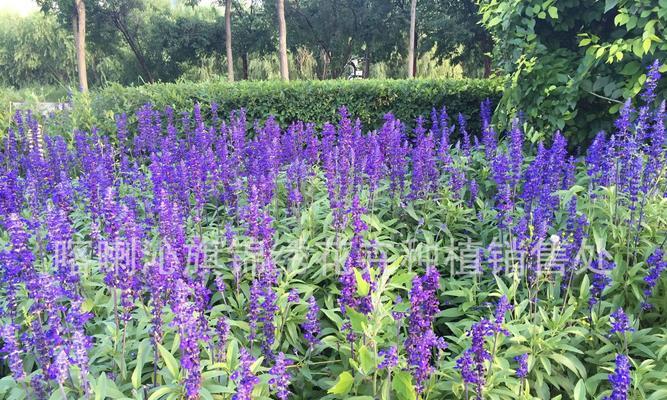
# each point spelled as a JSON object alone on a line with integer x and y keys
{"x": 572, "y": 61}
{"x": 452, "y": 28}
{"x": 35, "y": 50}
{"x": 302, "y": 100}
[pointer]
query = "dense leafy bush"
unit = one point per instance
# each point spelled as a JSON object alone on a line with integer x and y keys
{"x": 571, "y": 62}
{"x": 185, "y": 259}
{"x": 316, "y": 101}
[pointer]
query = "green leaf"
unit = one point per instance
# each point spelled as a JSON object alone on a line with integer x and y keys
{"x": 160, "y": 392}
{"x": 402, "y": 385}
{"x": 553, "y": 12}
{"x": 367, "y": 360}
{"x": 169, "y": 361}
{"x": 144, "y": 347}
{"x": 580, "y": 390}
{"x": 571, "y": 362}
{"x": 646, "y": 45}
{"x": 363, "y": 287}
{"x": 343, "y": 384}
{"x": 609, "y": 4}
{"x": 357, "y": 320}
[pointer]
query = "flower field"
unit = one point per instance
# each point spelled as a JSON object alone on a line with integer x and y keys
{"x": 191, "y": 255}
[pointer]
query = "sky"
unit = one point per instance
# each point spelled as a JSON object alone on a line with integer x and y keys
{"x": 21, "y": 7}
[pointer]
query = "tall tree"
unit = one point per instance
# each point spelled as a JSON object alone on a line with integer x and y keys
{"x": 228, "y": 40}
{"x": 413, "y": 39}
{"x": 254, "y": 28}
{"x": 79, "y": 28}
{"x": 453, "y": 28}
{"x": 282, "y": 40}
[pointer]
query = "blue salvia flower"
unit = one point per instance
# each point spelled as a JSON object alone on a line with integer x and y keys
{"x": 424, "y": 169}
{"x": 60, "y": 367}
{"x": 293, "y": 296}
{"x": 395, "y": 150}
{"x": 620, "y": 322}
{"x": 655, "y": 152}
{"x": 421, "y": 339}
{"x": 244, "y": 378}
{"x": 601, "y": 269}
{"x": 474, "y": 190}
{"x": 620, "y": 380}
{"x": 222, "y": 330}
{"x": 280, "y": 378}
{"x": 465, "y": 137}
{"x": 651, "y": 83}
{"x": 188, "y": 322}
{"x": 500, "y": 167}
{"x": 502, "y": 307}
{"x": 599, "y": 161}
{"x": 12, "y": 351}
{"x": 522, "y": 370}
{"x": 254, "y": 310}
{"x": 389, "y": 357}
{"x": 657, "y": 265}
{"x": 472, "y": 363}
{"x": 311, "y": 327}
{"x": 516, "y": 152}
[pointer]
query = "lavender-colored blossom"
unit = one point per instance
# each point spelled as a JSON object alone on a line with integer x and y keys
{"x": 465, "y": 137}
{"x": 651, "y": 83}
{"x": 311, "y": 326}
{"x": 188, "y": 322}
{"x": 244, "y": 378}
{"x": 620, "y": 379}
{"x": 657, "y": 265}
{"x": 424, "y": 170}
{"x": 601, "y": 269}
{"x": 421, "y": 339}
{"x": 522, "y": 370}
{"x": 502, "y": 307}
{"x": 620, "y": 322}
{"x": 394, "y": 149}
{"x": 500, "y": 168}
{"x": 389, "y": 357}
{"x": 280, "y": 377}
{"x": 472, "y": 363}
{"x": 515, "y": 153}
{"x": 12, "y": 351}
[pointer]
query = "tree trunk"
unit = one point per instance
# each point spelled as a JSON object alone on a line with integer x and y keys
{"x": 367, "y": 64}
{"x": 487, "y": 66}
{"x": 228, "y": 40}
{"x": 134, "y": 47}
{"x": 244, "y": 59}
{"x": 282, "y": 40}
{"x": 411, "y": 49}
{"x": 79, "y": 27}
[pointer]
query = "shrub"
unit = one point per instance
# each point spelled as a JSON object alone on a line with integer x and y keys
{"x": 302, "y": 100}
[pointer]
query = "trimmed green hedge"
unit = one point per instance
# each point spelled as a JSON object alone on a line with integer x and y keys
{"x": 315, "y": 101}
